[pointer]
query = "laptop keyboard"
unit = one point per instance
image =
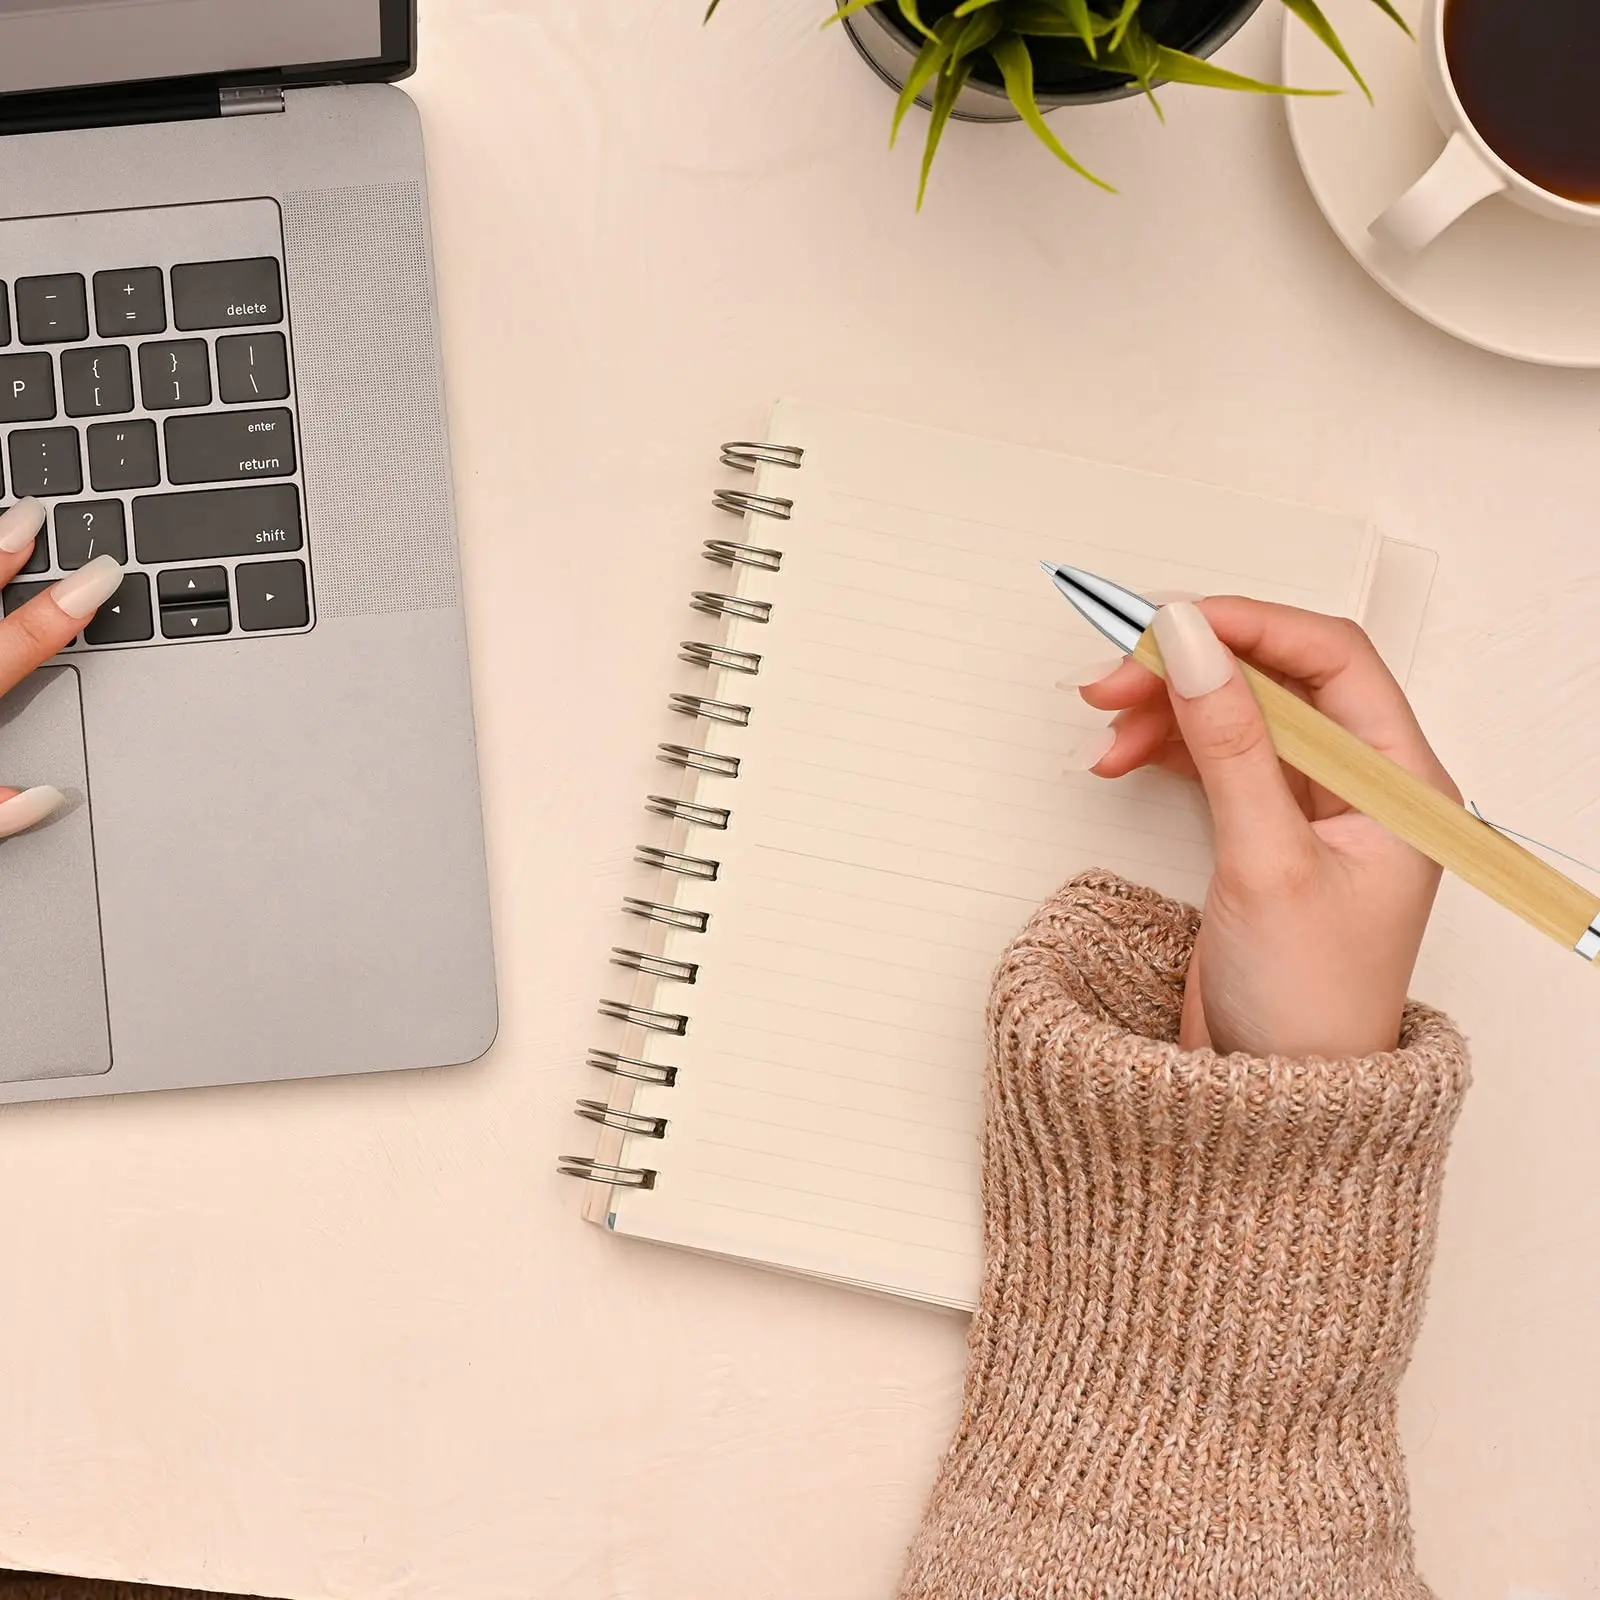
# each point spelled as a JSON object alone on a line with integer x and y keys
{"x": 151, "y": 409}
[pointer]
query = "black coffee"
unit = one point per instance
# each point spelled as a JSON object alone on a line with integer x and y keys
{"x": 1528, "y": 74}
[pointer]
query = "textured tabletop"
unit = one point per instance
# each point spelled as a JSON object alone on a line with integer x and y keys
{"x": 350, "y": 1338}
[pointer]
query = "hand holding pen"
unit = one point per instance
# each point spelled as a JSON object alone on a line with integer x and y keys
{"x": 1315, "y": 911}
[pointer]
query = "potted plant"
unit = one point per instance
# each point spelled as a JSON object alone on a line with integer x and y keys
{"x": 1000, "y": 60}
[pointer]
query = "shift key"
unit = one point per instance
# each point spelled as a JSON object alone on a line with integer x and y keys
{"x": 213, "y": 523}
{"x": 216, "y": 446}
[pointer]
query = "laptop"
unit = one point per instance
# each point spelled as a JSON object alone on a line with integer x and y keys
{"x": 219, "y": 361}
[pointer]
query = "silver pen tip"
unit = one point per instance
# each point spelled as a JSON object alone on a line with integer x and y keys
{"x": 1049, "y": 566}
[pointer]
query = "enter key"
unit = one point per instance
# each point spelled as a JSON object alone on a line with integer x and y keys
{"x": 225, "y": 446}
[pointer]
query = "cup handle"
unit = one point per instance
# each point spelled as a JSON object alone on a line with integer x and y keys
{"x": 1456, "y": 182}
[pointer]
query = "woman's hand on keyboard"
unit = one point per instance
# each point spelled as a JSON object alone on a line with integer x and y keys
{"x": 33, "y": 633}
{"x": 1315, "y": 912}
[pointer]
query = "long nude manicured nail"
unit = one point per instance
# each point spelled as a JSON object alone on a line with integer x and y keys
{"x": 82, "y": 593}
{"x": 1195, "y": 657}
{"x": 1091, "y": 672}
{"x": 29, "y": 808}
{"x": 20, "y": 526}
{"x": 1091, "y": 750}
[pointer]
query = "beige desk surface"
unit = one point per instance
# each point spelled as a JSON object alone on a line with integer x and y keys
{"x": 350, "y": 1339}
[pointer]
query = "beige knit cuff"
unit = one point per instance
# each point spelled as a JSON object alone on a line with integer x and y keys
{"x": 1203, "y": 1282}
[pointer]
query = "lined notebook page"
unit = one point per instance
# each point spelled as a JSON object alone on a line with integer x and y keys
{"x": 901, "y": 809}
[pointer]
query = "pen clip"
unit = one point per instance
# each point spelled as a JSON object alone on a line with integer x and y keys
{"x": 1522, "y": 838}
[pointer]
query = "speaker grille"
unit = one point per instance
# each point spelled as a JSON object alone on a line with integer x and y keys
{"x": 377, "y": 470}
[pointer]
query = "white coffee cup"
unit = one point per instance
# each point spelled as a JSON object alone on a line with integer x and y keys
{"x": 1468, "y": 170}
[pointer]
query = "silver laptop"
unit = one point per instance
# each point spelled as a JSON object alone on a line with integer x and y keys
{"x": 219, "y": 362}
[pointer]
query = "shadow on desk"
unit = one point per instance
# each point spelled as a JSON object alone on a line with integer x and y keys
{"x": 46, "y": 1586}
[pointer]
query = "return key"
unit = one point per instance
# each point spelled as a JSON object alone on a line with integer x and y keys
{"x": 223, "y": 446}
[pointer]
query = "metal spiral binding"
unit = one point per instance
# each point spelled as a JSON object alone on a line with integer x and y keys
{"x": 741, "y": 501}
{"x": 694, "y": 705}
{"x": 673, "y": 1022}
{"x": 714, "y": 656}
{"x": 679, "y": 917}
{"x": 732, "y": 605}
{"x": 747, "y": 455}
{"x": 729, "y": 553}
{"x": 634, "y": 1122}
{"x": 733, "y": 554}
{"x": 619, "y": 1066}
{"x": 712, "y": 761}
{"x": 702, "y": 867}
{"x": 603, "y": 1172}
{"x": 697, "y": 816}
{"x": 655, "y": 966}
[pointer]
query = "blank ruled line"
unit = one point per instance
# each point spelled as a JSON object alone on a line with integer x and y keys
{"x": 972, "y": 1102}
{"x": 1164, "y": 808}
{"x": 765, "y": 1093}
{"x": 954, "y": 855}
{"x": 876, "y": 626}
{"x": 811, "y": 1042}
{"x": 922, "y": 692}
{"x": 835, "y": 922}
{"x": 1061, "y": 822}
{"x": 979, "y": 552}
{"x": 966, "y": 1163}
{"x": 930, "y": 605}
{"x": 854, "y": 988}
{"x": 966, "y": 581}
{"x": 833, "y": 1227}
{"x": 832, "y": 1166}
{"x": 932, "y": 727}
{"x": 854, "y": 960}
{"x": 848, "y": 1016}
{"x": 891, "y": 872}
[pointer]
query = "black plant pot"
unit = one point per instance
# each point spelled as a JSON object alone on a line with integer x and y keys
{"x": 890, "y": 45}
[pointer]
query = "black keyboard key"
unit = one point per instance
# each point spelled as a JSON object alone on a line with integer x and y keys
{"x": 129, "y": 302}
{"x": 97, "y": 381}
{"x": 39, "y": 556}
{"x": 27, "y": 388}
{"x": 19, "y": 594}
{"x": 195, "y": 622}
{"x": 89, "y": 528}
{"x": 213, "y": 523}
{"x": 271, "y": 594}
{"x": 125, "y": 617}
{"x": 52, "y": 310}
{"x": 252, "y": 367}
{"x": 175, "y": 374}
{"x": 226, "y": 294}
{"x": 191, "y": 586}
{"x": 122, "y": 455}
{"x": 45, "y": 462}
{"x": 222, "y": 445}
{"x": 5, "y": 315}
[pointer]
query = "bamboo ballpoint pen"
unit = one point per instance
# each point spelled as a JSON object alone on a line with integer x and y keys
{"x": 1368, "y": 780}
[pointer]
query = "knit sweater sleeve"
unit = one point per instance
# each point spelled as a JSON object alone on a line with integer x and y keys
{"x": 1204, "y": 1276}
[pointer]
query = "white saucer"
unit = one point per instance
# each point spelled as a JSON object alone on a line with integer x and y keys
{"x": 1500, "y": 278}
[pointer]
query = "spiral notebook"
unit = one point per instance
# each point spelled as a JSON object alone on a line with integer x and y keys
{"x": 868, "y": 800}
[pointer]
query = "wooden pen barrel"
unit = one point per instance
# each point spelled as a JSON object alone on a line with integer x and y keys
{"x": 1413, "y": 810}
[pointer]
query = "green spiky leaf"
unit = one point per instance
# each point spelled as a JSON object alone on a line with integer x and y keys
{"x": 1177, "y": 67}
{"x": 930, "y": 60}
{"x": 849, "y": 9}
{"x": 951, "y": 84}
{"x": 1083, "y": 21}
{"x": 1310, "y": 13}
{"x": 1016, "y": 67}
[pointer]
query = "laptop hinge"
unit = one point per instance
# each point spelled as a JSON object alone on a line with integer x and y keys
{"x": 250, "y": 100}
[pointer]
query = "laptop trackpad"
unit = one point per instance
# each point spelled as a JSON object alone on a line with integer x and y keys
{"x": 52, "y": 975}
